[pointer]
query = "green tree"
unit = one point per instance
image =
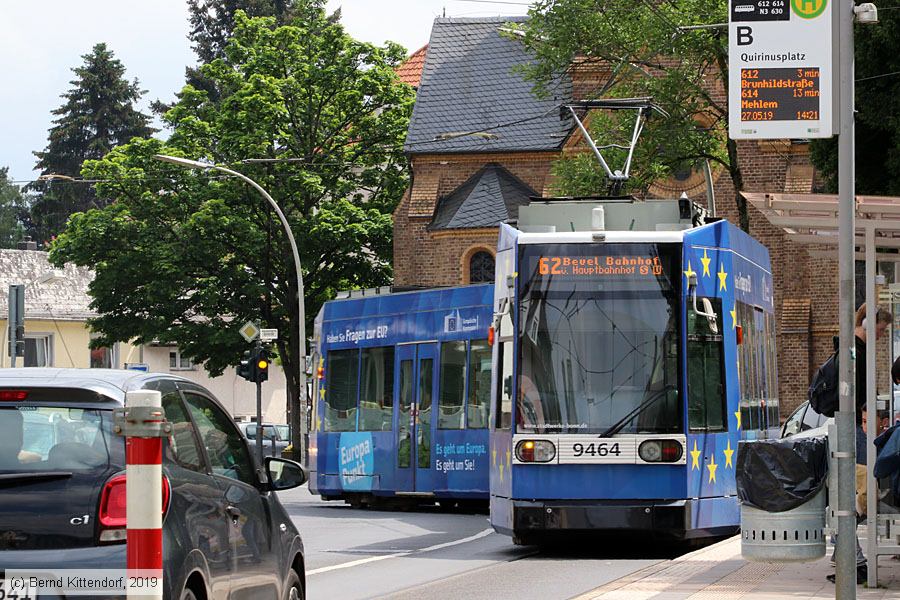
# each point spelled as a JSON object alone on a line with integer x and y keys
{"x": 646, "y": 53}
{"x": 98, "y": 114}
{"x": 12, "y": 210}
{"x": 877, "y": 116}
{"x": 187, "y": 257}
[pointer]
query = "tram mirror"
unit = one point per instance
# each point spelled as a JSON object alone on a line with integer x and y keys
{"x": 710, "y": 315}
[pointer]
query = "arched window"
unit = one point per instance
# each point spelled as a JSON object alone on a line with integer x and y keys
{"x": 481, "y": 267}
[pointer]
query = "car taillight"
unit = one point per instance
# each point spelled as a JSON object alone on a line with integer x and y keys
{"x": 13, "y": 395}
{"x": 112, "y": 508}
{"x": 539, "y": 451}
{"x": 668, "y": 451}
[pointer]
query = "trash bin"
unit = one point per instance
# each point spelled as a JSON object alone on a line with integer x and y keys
{"x": 781, "y": 485}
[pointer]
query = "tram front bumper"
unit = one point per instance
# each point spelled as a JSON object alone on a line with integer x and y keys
{"x": 671, "y": 517}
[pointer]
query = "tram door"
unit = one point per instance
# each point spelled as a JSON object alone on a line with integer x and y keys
{"x": 417, "y": 390}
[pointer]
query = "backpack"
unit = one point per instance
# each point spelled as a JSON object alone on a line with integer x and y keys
{"x": 823, "y": 390}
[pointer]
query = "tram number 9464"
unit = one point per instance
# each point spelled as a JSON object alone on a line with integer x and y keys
{"x": 596, "y": 449}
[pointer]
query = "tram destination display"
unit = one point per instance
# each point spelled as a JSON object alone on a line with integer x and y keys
{"x": 781, "y": 84}
{"x": 780, "y": 94}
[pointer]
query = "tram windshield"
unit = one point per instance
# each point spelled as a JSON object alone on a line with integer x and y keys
{"x": 598, "y": 325}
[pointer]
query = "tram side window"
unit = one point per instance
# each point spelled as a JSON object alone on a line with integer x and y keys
{"x": 340, "y": 390}
{"x": 706, "y": 384}
{"x": 479, "y": 384}
{"x": 505, "y": 385}
{"x": 376, "y": 392}
{"x": 749, "y": 369}
{"x": 453, "y": 385}
{"x": 772, "y": 402}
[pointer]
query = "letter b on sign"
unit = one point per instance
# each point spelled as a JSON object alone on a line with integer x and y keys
{"x": 744, "y": 36}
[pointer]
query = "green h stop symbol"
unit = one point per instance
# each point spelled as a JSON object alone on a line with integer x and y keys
{"x": 808, "y": 9}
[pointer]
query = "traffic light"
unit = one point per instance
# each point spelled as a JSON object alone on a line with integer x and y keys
{"x": 260, "y": 368}
{"x": 243, "y": 369}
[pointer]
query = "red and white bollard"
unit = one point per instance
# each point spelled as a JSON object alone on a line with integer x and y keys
{"x": 143, "y": 423}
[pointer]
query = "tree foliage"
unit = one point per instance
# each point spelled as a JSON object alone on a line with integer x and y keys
{"x": 13, "y": 209}
{"x": 98, "y": 114}
{"x": 645, "y": 52}
{"x": 188, "y": 256}
{"x": 877, "y": 116}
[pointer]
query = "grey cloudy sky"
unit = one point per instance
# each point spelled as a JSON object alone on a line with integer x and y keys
{"x": 41, "y": 41}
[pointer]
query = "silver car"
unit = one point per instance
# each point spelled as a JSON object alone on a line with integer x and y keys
{"x": 275, "y": 437}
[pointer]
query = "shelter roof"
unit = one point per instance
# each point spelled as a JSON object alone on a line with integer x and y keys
{"x": 812, "y": 219}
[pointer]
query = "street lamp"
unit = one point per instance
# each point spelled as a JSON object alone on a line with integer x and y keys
{"x": 196, "y": 164}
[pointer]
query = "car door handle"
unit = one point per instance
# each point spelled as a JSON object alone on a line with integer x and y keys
{"x": 234, "y": 512}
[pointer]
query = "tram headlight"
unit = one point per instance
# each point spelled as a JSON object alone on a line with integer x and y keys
{"x": 667, "y": 451}
{"x": 538, "y": 451}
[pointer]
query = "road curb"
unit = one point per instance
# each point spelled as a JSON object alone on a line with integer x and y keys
{"x": 652, "y": 570}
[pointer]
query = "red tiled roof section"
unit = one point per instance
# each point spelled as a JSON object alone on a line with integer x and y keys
{"x": 410, "y": 72}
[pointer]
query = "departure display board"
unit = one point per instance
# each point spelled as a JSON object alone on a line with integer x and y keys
{"x": 780, "y": 94}
{"x": 781, "y": 83}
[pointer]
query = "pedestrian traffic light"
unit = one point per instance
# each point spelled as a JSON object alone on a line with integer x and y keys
{"x": 261, "y": 365}
{"x": 244, "y": 369}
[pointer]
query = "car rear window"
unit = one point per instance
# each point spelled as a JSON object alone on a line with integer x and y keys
{"x": 39, "y": 437}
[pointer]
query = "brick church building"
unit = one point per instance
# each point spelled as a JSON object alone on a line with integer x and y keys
{"x": 481, "y": 144}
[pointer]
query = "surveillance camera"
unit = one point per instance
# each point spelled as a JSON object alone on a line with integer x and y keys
{"x": 866, "y": 13}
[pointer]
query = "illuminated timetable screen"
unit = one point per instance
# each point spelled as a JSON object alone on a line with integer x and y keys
{"x": 780, "y": 94}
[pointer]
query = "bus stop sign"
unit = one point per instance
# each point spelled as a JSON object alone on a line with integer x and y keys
{"x": 781, "y": 78}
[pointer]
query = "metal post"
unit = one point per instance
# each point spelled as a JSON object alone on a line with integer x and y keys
{"x": 259, "y": 424}
{"x": 15, "y": 319}
{"x": 845, "y": 419}
{"x": 143, "y": 423}
{"x": 871, "y": 408}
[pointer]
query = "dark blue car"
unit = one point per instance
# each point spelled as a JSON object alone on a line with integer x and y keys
{"x": 62, "y": 486}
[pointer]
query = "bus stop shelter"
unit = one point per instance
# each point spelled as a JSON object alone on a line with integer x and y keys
{"x": 812, "y": 220}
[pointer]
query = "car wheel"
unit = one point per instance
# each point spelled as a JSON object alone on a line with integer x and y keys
{"x": 293, "y": 587}
{"x": 188, "y": 594}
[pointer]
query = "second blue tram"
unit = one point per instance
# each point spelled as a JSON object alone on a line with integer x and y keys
{"x": 628, "y": 366}
{"x": 402, "y": 397}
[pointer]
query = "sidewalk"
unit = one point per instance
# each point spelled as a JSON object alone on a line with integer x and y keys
{"x": 719, "y": 573}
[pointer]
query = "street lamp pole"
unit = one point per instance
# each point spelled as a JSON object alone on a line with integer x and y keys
{"x": 196, "y": 164}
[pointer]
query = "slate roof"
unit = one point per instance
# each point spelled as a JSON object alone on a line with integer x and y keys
{"x": 489, "y": 197}
{"x": 62, "y": 300}
{"x": 470, "y": 84}
{"x": 410, "y": 71}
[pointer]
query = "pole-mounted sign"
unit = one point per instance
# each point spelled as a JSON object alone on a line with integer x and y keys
{"x": 781, "y": 69}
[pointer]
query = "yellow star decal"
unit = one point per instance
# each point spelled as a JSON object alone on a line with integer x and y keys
{"x": 501, "y": 471}
{"x": 729, "y": 454}
{"x": 712, "y": 466}
{"x": 695, "y": 457}
{"x": 690, "y": 272}
{"x": 494, "y": 457}
{"x": 508, "y": 457}
{"x": 322, "y": 393}
{"x": 737, "y": 415}
{"x": 319, "y": 424}
{"x": 706, "y": 260}
{"x": 733, "y": 318}
{"x": 722, "y": 275}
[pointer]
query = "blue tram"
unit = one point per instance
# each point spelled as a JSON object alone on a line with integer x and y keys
{"x": 627, "y": 366}
{"x": 402, "y": 397}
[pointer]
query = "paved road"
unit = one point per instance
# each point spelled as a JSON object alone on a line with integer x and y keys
{"x": 355, "y": 554}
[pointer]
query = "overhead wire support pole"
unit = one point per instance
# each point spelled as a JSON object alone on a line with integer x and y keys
{"x": 845, "y": 419}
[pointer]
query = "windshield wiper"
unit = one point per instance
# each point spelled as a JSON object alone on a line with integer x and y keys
{"x": 7, "y": 478}
{"x": 620, "y": 424}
